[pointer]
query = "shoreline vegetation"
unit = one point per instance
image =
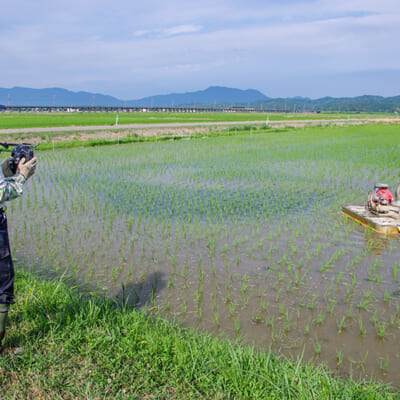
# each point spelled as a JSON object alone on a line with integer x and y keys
{"x": 91, "y": 347}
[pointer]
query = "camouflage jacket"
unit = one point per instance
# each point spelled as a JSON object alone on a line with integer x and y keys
{"x": 10, "y": 188}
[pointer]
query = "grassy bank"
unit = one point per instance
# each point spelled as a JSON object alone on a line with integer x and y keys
{"x": 90, "y": 348}
{"x": 66, "y": 140}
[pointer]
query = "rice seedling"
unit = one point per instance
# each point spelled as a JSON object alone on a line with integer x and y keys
{"x": 381, "y": 329}
{"x": 317, "y": 348}
{"x": 320, "y": 318}
{"x": 383, "y": 364}
{"x": 339, "y": 358}
{"x": 361, "y": 362}
{"x": 237, "y": 325}
{"x": 395, "y": 270}
{"x": 341, "y": 324}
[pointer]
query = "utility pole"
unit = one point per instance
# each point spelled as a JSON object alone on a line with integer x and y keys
{"x": 9, "y": 99}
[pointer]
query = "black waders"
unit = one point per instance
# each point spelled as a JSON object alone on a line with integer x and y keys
{"x": 6, "y": 275}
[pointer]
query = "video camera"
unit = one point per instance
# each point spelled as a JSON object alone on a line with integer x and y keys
{"x": 23, "y": 150}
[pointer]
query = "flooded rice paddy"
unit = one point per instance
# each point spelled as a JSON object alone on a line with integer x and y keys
{"x": 239, "y": 236}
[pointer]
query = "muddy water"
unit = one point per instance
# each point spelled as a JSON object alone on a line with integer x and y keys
{"x": 279, "y": 268}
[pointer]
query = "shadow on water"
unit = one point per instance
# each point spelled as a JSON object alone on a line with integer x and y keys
{"x": 142, "y": 293}
{"x": 136, "y": 293}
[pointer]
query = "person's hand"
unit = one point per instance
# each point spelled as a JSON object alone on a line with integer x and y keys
{"x": 6, "y": 167}
{"x": 27, "y": 169}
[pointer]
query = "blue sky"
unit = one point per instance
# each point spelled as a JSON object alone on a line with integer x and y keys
{"x": 132, "y": 49}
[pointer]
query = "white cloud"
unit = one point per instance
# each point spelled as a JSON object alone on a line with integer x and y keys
{"x": 141, "y": 33}
{"x": 172, "y": 31}
{"x": 151, "y": 45}
{"x": 181, "y": 29}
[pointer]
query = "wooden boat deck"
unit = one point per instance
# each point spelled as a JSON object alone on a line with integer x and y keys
{"x": 383, "y": 223}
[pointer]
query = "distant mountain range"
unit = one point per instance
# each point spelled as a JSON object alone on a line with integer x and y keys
{"x": 19, "y": 96}
{"x": 214, "y": 96}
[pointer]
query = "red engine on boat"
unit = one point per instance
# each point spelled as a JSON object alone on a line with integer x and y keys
{"x": 384, "y": 196}
{"x": 380, "y": 199}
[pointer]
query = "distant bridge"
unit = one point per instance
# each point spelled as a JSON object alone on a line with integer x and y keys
{"x": 146, "y": 109}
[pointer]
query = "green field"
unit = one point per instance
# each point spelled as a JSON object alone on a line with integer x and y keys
{"x": 35, "y": 120}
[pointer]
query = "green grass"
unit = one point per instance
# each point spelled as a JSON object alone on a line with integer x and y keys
{"x": 92, "y": 348}
{"x": 46, "y": 142}
{"x": 35, "y": 120}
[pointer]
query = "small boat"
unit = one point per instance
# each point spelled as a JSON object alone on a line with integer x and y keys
{"x": 382, "y": 211}
{"x": 382, "y": 223}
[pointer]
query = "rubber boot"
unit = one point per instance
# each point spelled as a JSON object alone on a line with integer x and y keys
{"x": 3, "y": 321}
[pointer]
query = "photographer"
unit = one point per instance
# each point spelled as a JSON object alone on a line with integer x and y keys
{"x": 11, "y": 187}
